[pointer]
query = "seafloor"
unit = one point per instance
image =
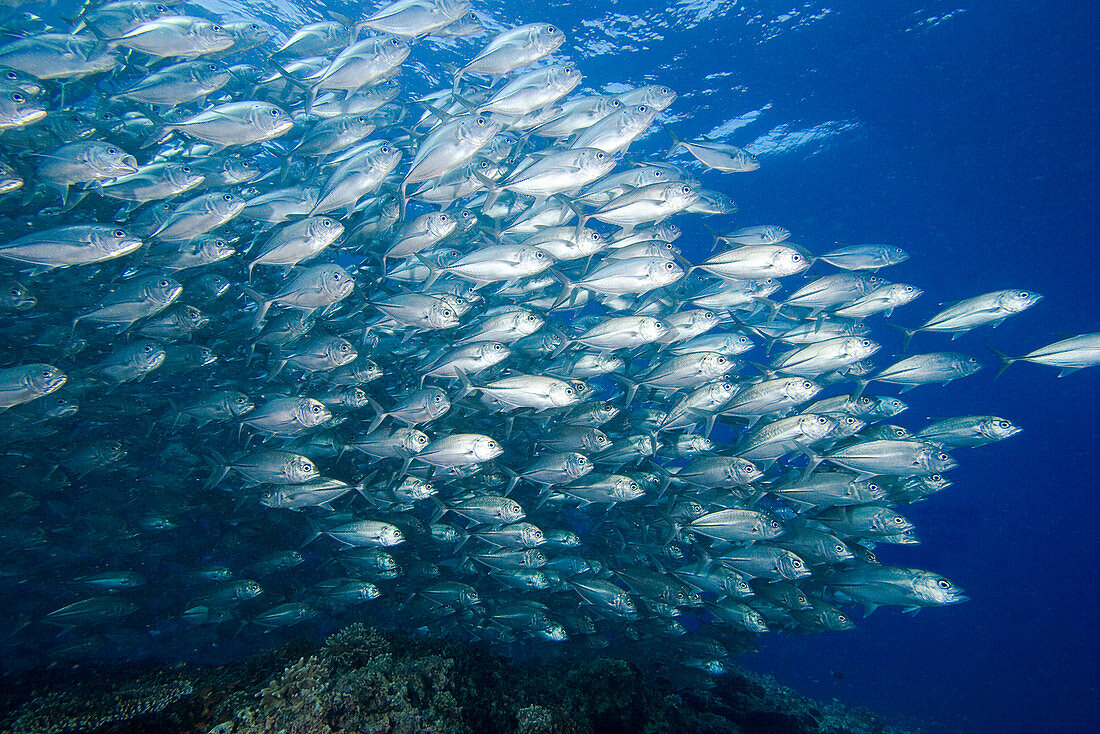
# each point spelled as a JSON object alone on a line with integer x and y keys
{"x": 361, "y": 680}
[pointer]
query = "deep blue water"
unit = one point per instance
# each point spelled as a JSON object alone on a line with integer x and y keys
{"x": 964, "y": 133}
{"x": 974, "y": 148}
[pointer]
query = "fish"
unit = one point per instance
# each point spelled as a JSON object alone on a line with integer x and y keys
{"x": 1069, "y": 355}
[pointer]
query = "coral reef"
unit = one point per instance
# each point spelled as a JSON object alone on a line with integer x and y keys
{"x": 361, "y": 680}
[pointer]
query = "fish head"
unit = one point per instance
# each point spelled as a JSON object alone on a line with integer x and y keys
{"x": 183, "y": 177}
{"x": 239, "y": 404}
{"x": 191, "y": 317}
{"x": 770, "y": 528}
{"x": 335, "y": 281}
{"x": 163, "y": 290}
{"x": 146, "y": 355}
{"x": 664, "y": 272}
{"x": 816, "y": 427}
{"x": 300, "y": 469}
{"x": 860, "y": 348}
{"x": 894, "y": 255}
{"x": 545, "y": 38}
{"x": 16, "y": 297}
{"x": 792, "y": 567}
{"x": 215, "y": 249}
{"x": 931, "y": 460}
{"x": 112, "y": 241}
{"x": 391, "y": 535}
{"x": 311, "y": 412}
{"x": 341, "y": 352}
{"x": 248, "y": 34}
{"x": 888, "y": 407}
{"x": 44, "y": 378}
{"x": 440, "y": 224}
{"x": 393, "y": 51}
{"x": 245, "y": 590}
{"x": 998, "y": 429}
{"x": 106, "y": 160}
{"x": 1015, "y": 301}
{"x": 412, "y": 441}
{"x": 936, "y": 590}
{"x": 210, "y": 36}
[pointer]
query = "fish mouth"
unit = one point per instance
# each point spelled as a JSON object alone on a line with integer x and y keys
{"x": 282, "y": 127}
{"x": 56, "y": 383}
{"x": 29, "y": 117}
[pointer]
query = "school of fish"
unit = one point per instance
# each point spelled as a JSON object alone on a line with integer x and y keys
{"x": 385, "y": 318}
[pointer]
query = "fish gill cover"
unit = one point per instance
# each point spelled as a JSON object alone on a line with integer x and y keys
{"x": 387, "y": 315}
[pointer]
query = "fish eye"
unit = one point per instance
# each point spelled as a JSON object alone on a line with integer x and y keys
{"x": 315, "y": 408}
{"x": 212, "y": 67}
{"x": 241, "y": 401}
{"x": 497, "y": 347}
{"x": 164, "y": 284}
{"x": 898, "y": 520}
{"x": 17, "y": 97}
{"x": 865, "y": 342}
{"x": 394, "y": 42}
{"x": 822, "y": 420}
{"x": 15, "y": 292}
{"x": 186, "y": 169}
{"x": 360, "y": 119}
{"x": 643, "y": 108}
{"x": 943, "y": 457}
{"x": 228, "y": 197}
{"x": 1003, "y": 424}
{"x": 147, "y": 348}
{"x": 448, "y": 313}
{"x": 439, "y": 398}
{"x": 326, "y": 222}
{"x": 796, "y": 563}
{"x": 336, "y": 276}
{"x": 112, "y": 151}
{"x": 685, "y": 189}
{"x": 669, "y": 266}
{"x": 422, "y": 439}
{"x": 215, "y": 27}
{"x": 12, "y": 75}
{"x": 274, "y": 112}
{"x": 944, "y": 584}
{"x": 119, "y": 233}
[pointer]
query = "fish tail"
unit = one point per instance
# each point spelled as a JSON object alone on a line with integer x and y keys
{"x": 677, "y": 142}
{"x": 379, "y": 414}
{"x": 567, "y": 289}
{"x": 861, "y": 385}
{"x": 1006, "y": 361}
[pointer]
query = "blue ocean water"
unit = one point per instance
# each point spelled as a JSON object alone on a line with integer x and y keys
{"x": 963, "y": 133}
